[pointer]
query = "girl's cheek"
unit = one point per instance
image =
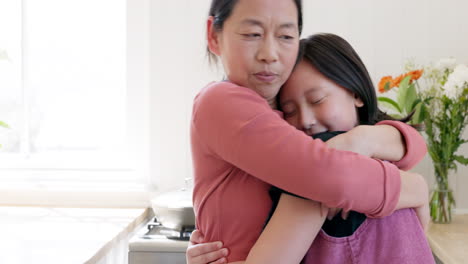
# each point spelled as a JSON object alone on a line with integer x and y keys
{"x": 332, "y": 118}
{"x": 294, "y": 122}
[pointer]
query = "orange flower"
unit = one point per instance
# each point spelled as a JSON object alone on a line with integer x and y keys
{"x": 415, "y": 74}
{"x": 383, "y": 82}
{"x": 387, "y": 82}
{"x": 396, "y": 82}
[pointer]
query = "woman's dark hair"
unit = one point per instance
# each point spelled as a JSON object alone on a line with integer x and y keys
{"x": 336, "y": 59}
{"x": 222, "y": 9}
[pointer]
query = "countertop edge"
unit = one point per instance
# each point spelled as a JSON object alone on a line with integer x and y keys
{"x": 132, "y": 227}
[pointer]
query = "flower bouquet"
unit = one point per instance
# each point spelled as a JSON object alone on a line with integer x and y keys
{"x": 447, "y": 117}
{"x": 441, "y": 104}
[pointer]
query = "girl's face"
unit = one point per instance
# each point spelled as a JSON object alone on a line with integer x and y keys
{"x": 258, "y": 44}
{"x": 313, "y": 103}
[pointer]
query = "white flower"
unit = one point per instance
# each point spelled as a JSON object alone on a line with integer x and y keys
{"x": 456, "y": 82}
{"x": 4, "y": 55}
{"x": 446, "y": 64}
{"x": 410, "y": 65}
{"x": 431, "y": 81}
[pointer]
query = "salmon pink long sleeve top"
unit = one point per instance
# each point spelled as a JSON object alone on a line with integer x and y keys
{"x": 240, "y": 147}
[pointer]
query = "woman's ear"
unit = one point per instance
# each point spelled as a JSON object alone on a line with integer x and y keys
{"x": 212, "y": 36}
{"x": 357, "y": 101}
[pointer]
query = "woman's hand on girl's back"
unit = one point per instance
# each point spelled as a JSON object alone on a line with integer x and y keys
{"x": 199, "y": 252}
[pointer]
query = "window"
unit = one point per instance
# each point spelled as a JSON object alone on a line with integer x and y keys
{"x": 10, "y": 74}
{"x": 65, "y": 92}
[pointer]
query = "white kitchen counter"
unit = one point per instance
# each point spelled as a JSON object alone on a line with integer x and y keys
{"x": 65, "y": 235}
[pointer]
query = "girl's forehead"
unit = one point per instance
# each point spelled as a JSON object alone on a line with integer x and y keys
{"x": 306, "y": 79}
{"x": 306, "y": 72}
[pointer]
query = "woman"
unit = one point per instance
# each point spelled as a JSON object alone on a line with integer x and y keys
{"x": 241, "y": 145}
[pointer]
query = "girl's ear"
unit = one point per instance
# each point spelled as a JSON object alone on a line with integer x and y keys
{"x": 212, "y": 36}
{"x": 357, "y": 101}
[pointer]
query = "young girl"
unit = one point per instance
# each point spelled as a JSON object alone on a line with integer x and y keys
{"x": 330, "y": 90}
{"x": 241, "y": 145}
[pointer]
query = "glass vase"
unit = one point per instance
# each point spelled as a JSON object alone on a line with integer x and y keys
{"x": 442, "y": 200}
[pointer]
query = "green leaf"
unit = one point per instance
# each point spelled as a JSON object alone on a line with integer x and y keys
{"x": 389, "y": 102}
{"x": 411, "y": 97}
{"x": 419, "y": 113}
{"x": 461, "y": 159}
{"x": 3, "y": 124}
{"x": 403, "y": 93}
{"x": 396, "y": 116}
{"x": 415, "y": 103}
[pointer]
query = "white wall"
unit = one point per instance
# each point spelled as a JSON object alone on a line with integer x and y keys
{"x": 179, "y": 70}
{"x": 385, "y": 34}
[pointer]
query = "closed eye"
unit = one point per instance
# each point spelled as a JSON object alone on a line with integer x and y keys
{"x": 286, "y": 37}
{"x": 289, "y": 114}
{"x": 252, "y": 35}
{"x": 318, "y": 101}
{"x": 288, "y": 109}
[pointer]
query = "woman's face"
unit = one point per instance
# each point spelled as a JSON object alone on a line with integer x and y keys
{"x": 313, "y": 103}
{"x": 258, "y": 44}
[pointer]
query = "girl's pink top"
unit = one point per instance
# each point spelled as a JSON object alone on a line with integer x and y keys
{"x": 240, "y": 147}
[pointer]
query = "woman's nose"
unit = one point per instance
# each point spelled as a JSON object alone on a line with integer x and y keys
{"x": 268, "y": 51}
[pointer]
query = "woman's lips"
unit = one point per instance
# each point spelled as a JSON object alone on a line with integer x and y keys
{"x": 267, "y": 77}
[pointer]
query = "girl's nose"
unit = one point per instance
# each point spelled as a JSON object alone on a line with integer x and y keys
{"x": 308, "y": 121}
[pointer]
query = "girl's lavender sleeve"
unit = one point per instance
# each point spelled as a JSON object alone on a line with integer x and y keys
{"x": 239, "y": 127}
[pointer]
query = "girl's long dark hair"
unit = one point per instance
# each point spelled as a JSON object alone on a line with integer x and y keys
{"x": 336, "y": 59}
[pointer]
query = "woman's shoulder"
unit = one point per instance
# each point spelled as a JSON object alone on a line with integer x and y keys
{"x": 229, "y": 105}
{"x": 222, "y": 89}
{"x": 222, "y": 95}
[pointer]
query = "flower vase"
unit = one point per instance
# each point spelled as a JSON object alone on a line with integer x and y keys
{"x": 442, "y": 200}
